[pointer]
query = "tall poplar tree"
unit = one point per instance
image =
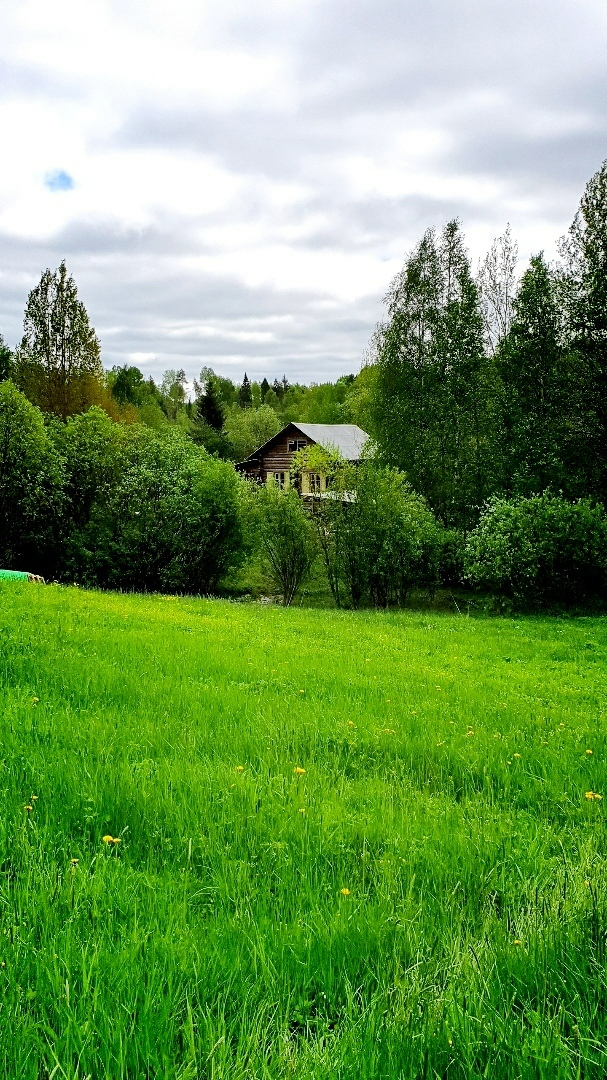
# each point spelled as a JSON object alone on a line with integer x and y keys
{"x": 435, "y": 402}
{"x": 585, "y": 293}
{"x": 58, "y": 361}
{"x": 544, "y": 429}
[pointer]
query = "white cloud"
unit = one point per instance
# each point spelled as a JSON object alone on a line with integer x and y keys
{"x": 246, "y": 180}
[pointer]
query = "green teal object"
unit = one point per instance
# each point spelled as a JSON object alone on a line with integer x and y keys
{"x": 16, "y": 575}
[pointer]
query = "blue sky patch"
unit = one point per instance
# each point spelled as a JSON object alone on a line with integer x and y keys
{"x": 58, "y": 180}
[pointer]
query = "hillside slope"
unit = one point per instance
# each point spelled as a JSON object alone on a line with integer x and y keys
{"x": 336, "y": 844}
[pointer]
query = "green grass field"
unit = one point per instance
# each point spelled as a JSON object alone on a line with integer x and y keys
{"x": 351, "y": 845}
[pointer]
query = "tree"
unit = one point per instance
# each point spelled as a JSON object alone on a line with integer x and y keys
{"x": 58, "y": 362}
{"x": 496, "y": 281}
{"x": 168, "y": 517}
{"x": 5, "y": 360}
{"x": 544, "y": 436}
{"x": 245, "y": 396}
{"x": 247, "y": 429}
{"x": 434, "y": 407}
{"x": 128, "y": 385}
{"x": 173, "y": 390}
{"x": 208, "y": 404}
{"x": 584, "y": 293}
{"x": 31, "y": 486}
{"x": 265, "y": 386}
{"x": 285, "y": 537}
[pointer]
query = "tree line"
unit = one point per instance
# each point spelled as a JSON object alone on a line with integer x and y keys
{"x": 485, "y": 385}
{"x": 485, "y": 397}
{"x": 57, "y": 365}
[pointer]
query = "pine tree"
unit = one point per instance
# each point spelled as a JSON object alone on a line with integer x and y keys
{"x": 265, "y": 386}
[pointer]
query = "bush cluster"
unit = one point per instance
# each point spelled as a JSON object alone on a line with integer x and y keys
{"x": 125, "y": 506}
{"x": 113, "y": 505}
{"x": 540, "y": 550}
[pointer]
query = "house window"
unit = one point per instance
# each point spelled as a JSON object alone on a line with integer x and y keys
{"x": 296, "y": 444}
{"x": 280, "y": 479}
{"x": 314, "y": 482}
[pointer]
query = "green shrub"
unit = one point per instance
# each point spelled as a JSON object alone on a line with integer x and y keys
{"x": 451, "y": 569}
{"x": 285, "y": 538}
{"x": 31, "y": 486}
{"x": 378, "y": 537}
{"x": 540, "y": 550}
{"x": 167, "y": 517}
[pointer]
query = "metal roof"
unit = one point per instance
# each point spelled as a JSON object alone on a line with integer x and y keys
{"x": 348, "y": 439}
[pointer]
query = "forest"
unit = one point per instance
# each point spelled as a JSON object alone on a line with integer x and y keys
{"x": 483, "y": 391}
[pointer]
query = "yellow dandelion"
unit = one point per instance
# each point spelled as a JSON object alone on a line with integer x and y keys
{"x": 469, "y": 733}
{"x": 589, "y": 751}
{"x": 33, "y": 798}
{"x": 516, "y": 755}
{"x": 517, "y": 941}
{"x": 303, "y": 810}
{"x": 345, "y": 892}
{"x": 351, "y": 723}
{"x": 240, "y": 768}
{"x": 35, "y": 700}
{"x": 74, "y": 862}
{"x": 107, "y": 839}
{"x": 302, "y": 691}
{"x": 590, "y": 795}
{"x": 587, "y": 884}
{"x": 299, "y": 771}
{"x": 28, "y": 808}
{"x": 508, "y": 763}
{"x": 438, "y": 687}
{"x": 441, "y": 743}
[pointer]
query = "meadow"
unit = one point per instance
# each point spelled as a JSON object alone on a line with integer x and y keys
{"x": 251, "y": 842}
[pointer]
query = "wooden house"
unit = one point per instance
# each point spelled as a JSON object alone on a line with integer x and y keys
{"x": 271, "y": 463}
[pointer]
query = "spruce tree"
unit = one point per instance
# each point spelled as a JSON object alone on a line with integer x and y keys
{"x": 245, "y": 395}
{"x": 208, "y": 405}
{"x": 265, "y": 386}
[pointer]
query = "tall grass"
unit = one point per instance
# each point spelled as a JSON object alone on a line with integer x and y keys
{"x": 351, "y": 845}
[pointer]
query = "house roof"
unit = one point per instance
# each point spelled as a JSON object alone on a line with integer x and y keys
{"x": 348, "y": 439}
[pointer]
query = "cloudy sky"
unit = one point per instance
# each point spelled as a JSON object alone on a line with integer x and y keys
{"x": 235, "y": 185}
